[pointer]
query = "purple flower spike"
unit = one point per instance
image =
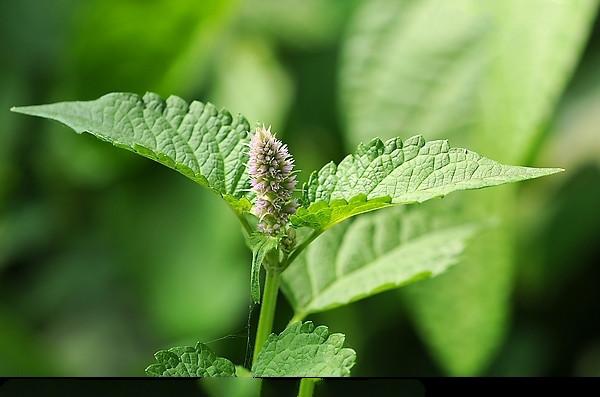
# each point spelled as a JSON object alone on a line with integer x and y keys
{"x": 272, "y": 179}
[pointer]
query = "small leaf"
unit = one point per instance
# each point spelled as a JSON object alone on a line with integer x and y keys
{"x": 197, "y": 361}
{"x": 322, "y": 215}
{"x": 205, "y": 144}
{"x": 381, "y": 174}
{"x": 371, "y": 254}
{"x": 240, "y": 205}
{"x": 302, "y": 350}
{"x": 261, "y": 245}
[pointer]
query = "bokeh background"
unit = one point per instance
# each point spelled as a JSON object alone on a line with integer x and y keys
{"x": 106, "y": 257}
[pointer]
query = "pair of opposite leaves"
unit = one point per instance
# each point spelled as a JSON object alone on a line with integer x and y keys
{"x": 209, "y": 146}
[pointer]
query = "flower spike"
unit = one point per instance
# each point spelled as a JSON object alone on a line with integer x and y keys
{"x": 270, "y": 167}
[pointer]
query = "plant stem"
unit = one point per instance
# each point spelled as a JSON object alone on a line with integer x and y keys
{"x": 307, "y": 387}
{"x": 301, "y": 247}
{"x": 267, "y": 311}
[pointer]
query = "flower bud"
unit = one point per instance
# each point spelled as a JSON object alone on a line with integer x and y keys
{"x": 270, "y": 168}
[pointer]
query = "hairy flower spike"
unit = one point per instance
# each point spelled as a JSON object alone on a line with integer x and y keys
{"x": 271, "y": 175}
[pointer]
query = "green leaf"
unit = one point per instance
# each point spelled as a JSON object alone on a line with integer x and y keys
{"x": 399, "y": 172}
{"x": 399, "y": 72}
{"x": 241, "y": 206}
{"x": 483, "y": 75}
{"x": 261, "y": 245}
{"x": 462, "y": 314}
{"x": 205, "y": 144}
{"x": 197, "y": 361}
{"x": 302, "y": 350}
{"x": 371, "y": 254}
{"x": 437, "y": 66}
{"x": 322, "y": 214}
{"x": 529, "y": 67}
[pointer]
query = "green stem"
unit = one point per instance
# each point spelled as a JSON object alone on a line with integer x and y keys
{"x": 307, "y": 387}
{"x": 267, "y": 311}
{"x": 301, "y": 248}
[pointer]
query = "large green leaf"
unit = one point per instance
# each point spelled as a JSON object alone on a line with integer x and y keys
{"x": 482, "y": 74}
{"x": 198, "y": 361}
{"x": 371, "y": 254}
{"x": 441, "y": 67}
{"x": 399, "y": 172}
{"x": 528, "y": 68}
{"x": 462, "y": 314}
{"x": 402, "y": 72}
{"x": 302, "y": 350}
{"x": 203, "y": 143}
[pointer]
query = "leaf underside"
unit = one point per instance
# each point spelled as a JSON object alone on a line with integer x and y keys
{"x": 482, "y": 75}
{"x": 188, "y": 361}
{"x": 381, "y": 174}
{"x": 371, "y": 254}
{"x": 302, "y": 350}
{"x": 203, "y": 143}
{"x": 462, "y": 315}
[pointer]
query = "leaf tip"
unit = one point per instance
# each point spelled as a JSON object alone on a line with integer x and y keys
{"x": 18, "y": 109}
{"x": 551, "y": 171}
{"x": 29, "y": 110}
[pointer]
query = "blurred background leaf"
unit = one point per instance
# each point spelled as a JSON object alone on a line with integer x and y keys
{"x": 251, "y": 80}
{"x": 485, "y": 77}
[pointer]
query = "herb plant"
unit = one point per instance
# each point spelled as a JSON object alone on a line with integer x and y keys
{"x": 304, "y": 241}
